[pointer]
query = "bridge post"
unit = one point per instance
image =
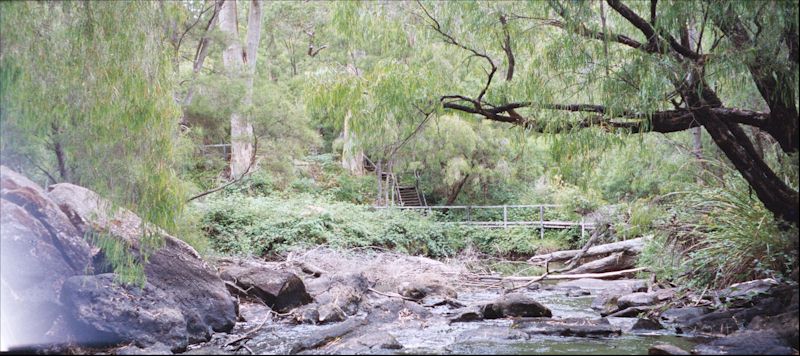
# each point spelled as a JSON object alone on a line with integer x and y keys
{"x": 505, "y": 217}
{"x": 541, "y": 221}
{"x": 583, "y": 228}
{"x": 469, "y": 218}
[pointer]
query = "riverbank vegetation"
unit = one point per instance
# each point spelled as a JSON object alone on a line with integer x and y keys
{"x": 677, "y": 122}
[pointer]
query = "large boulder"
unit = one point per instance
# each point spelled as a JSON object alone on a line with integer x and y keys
{"x": 638, "y": 299}
{"x": 113, "y": 313}
{"x": 280, "y": 290}
{"x": 39, "y": 250}
{"x": 746, "y": 343}
{"x": 578, "y": 327}
{"x": 515, "y": 305}
{"x": 175, "y": 267}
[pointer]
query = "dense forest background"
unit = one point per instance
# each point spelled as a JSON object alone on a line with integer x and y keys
{"x": 678, "y": 123}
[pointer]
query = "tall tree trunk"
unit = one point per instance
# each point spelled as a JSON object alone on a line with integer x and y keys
{"x": 201, "y": 53}
{"x": 237, "y": 63}
{"x": 352, "y": 159}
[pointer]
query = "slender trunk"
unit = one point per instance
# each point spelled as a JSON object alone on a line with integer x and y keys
{"x": 201, "y": 53}
{"x": 451, "y": 198}
{"x": 352, "y": 160}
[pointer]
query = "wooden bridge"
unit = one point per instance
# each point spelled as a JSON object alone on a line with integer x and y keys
{"x": 536, "y": 213}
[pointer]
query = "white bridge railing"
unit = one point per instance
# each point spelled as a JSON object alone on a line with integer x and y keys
{"x": 536, "y": 221}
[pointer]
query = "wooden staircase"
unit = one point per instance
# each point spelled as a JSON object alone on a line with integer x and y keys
{"x": 409, "y": 196}
{"x": 404, "y": 195}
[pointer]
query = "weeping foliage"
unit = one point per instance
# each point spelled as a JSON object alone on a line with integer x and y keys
{"x": 90, "y": 82}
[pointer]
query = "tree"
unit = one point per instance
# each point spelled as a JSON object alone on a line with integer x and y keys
{"x": 241, "y": 62}
{"x": 646, "y": 66}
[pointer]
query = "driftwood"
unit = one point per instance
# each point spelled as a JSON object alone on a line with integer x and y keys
{"x": 575, "y": 259}
{"x": 633, "y": 245}
{"x": 617, "y": 261}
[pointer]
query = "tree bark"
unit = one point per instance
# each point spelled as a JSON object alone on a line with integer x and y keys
{"x": 201, "y": 53}
{"x": 615, "y": 262}
{"x": 633, "y": 245}
{"x": 237, "y": 64}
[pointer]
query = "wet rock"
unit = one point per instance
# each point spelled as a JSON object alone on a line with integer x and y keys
{"x": 492, "y": 334}
{"x": 330, "y": 313}
{"x": 393, "y": 309}
{"x": 327, "y": 334}
{"x": 280, "y": 290}
{"x": 175, "y": 268}
{"x": 682, "y": 315}
{"x": 515, "y": 305}
{"x": 727, "y": 321}
{"x": 567, "y": 327}
{"x": 646, "y": 324}
{"x": 665, "y": 349}
{"x": 578, "y": 293}
{"x": 472, "y": 313}
{"x": 308, "y": 314}
{"x": 157, "y": 349}
{"x": 369, "y": 342}
{"x": 784, "y": 325}
{"x": 113, "y": 313}
{"x": 621, "y": 286}
{"x": 437, "y": 301}
{"x": 746, "y": 343}
{"x": 638, "y": 299}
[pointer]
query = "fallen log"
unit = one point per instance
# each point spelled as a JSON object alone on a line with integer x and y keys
{"x": 617, "y": 261}
{"x": 633, "y": 245}
{"x": 567, "y": 276}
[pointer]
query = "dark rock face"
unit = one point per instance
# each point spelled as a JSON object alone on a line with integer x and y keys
{"x": 39, "y": 250}
{"x": 280, "y": 290}
{"x": 114, "y": 313}
{"x": 472, "y": 313}
{"x": 784, "y": 325}
{"x": 567, "y": 327}
{"x": 746, "y": 343}
{"x": 175, "y": 268}
{"x": 646, "y": 324}
{"x": 516, "y": 305}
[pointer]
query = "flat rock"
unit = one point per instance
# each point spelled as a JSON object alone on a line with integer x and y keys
{"x": 515, "y": 305}
{"x": 113, "y": 313}
{"x": 749, "y": 289}
{"x": 157, "y": 349}
{"x": 646, "y": 324}
{"x": 567, "y": 327}
{"x": 472, "y": 313}
{"x": 784, "y": 325}
{"x": 682, "y": 315}
{"x": 492, "y": 334}
{"x": 666, "y": 349}
{"x": 345, "y": 290}
{"x": 638, "y": 299}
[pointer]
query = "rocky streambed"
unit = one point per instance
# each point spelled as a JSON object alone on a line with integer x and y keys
{"x": 59, "y": 296}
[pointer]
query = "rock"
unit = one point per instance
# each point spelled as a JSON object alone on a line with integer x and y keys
{"x": 665, "y": 349}
{"x": 748, "y": 290}
{"x": 437, "y": 301}
{"x": 472, "y": 313}
{"x": 393, "y": 309}
{"x": 620, "y": 286}
{"x": 344, "y": 290}
{"x": 638, "y": 299}
{"x": 646, "y": 324}
{"x": 419, "y": 289}
{"x": 175, "y": 268}
{"x": 629, "y": 312}
{"x": 492, "y": 334}
{"x": 330, "y": 313}
{"x": 515, "y": 305}
{"x": 578, "y": 293}
{"x": 784, "y": 325}
{"x": 682, "y": 315}
{"x": 114, "y": 313}
{"x": 39, "y": 250}
{"x": 208, "y": 350}
{"x": 280, "y": 290}
{"x": 156, "y": 349}
{"x": 567, "y": 327}
{"x": 727, "y": 321}
{"x": 606, "y": 303}
{"x": 746, "y": 343}
{"x": 327, "y": 334}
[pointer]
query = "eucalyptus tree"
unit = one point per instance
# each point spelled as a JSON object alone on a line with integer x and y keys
{"x": 636, "y": 67}
{"x": 240, "y": 61}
